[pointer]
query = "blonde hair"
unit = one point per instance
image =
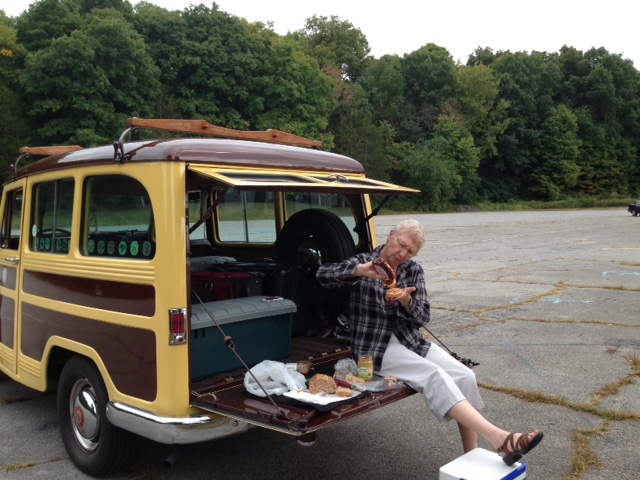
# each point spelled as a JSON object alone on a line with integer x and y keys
{"x": 414, "y": 229}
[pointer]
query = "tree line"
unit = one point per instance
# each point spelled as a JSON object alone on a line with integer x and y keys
{"x": 505, "y": 126}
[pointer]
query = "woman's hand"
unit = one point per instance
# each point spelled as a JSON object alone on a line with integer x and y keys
{"x": 405, "y": 298}
{"x": 368, "y": 270}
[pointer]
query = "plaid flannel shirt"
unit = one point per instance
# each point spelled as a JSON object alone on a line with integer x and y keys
{"x": 373, "y": 319}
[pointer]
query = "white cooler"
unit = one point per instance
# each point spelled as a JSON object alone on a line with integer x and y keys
{"x": 480, "y": 464}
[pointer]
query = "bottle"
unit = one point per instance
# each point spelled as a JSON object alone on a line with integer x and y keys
{"x": 365, "y": 367}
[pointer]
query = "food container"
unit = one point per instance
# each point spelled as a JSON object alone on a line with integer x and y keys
{"x": 365, "y": 367}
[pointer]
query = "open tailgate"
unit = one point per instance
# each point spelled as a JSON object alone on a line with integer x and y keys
{"x": 229, "y": 397}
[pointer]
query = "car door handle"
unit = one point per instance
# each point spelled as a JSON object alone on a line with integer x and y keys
{"x": 12, "y": 260}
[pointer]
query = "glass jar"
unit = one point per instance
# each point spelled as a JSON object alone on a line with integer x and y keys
{"x": 365, "y": 367}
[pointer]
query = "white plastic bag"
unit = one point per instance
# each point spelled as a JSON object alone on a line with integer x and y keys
{"x": 274, "y": 377}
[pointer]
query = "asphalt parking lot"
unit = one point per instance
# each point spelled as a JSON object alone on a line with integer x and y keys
{"x": 547, "y": 302}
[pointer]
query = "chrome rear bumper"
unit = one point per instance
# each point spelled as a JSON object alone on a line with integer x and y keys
{"x": 173, "y": 430}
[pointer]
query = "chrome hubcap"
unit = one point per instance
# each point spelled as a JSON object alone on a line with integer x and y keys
{"x": 84, "y": 415}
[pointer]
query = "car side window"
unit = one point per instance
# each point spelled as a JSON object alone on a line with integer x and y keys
{"x": 51, "y": 214}
{"x": 117, "y": 218}
{"x": 11, "y": 220}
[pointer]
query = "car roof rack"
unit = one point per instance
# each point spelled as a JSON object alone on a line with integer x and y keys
{"x": 43, "y": 151}
{"x": 202, "y": 127}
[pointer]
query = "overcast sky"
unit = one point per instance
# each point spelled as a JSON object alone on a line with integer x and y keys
{"x": 403, "y": 26}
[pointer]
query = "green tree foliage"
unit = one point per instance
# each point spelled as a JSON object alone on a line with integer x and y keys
{"x": 165, "y": 34}
{"x": 82, "y": 87}
{"x": 600, "y": 172}
{"x": 455, "y": 142}
{"x": 384, "y": 86}
{"x": 505, "y": 126}
{"x": 431, "y": 170}
{"x": 357, "y": 136}
{"x": 335, "y": 43}
{"x": 341, "y": 51}
{"x": 559, "y": 154}
{"x": 480, "y": 108}
{"x": 219, "y": 67}
{"x": 529, "y": 83}
{"x": 429, "y": 79}
{"x": 121, "y": 6}
{"x": 444, "y": 168}
{"x": 46, "y": 20}
{"x": 294, "y": 95}
{"x": 481, "y": 56}
{"x": 14, "y": 132}
{"x": 605, "y": 90}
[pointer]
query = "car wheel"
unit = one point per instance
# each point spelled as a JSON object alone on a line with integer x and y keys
{"x": 94, "y": 445}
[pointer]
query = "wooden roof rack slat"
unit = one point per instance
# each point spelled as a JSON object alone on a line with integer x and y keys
{"x": 56, "y": 150}
{"x": 202, "y": 127}
{"x": 44, "y": 151}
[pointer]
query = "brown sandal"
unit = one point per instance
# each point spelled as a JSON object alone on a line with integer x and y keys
{"x": 512, "y": 451}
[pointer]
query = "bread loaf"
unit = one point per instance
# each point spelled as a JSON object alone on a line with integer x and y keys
{"x": 322, "y": 383}
{"x": 303, "y": 367}
{"x": 353, "y": 380}
{"x": 344, "y": 392}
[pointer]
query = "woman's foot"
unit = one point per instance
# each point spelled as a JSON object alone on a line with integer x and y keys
{"x": 518, "y": 444}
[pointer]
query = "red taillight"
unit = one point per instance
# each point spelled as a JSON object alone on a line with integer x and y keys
{"x": 177, "y": 322}
{"x": 177, "y": 326}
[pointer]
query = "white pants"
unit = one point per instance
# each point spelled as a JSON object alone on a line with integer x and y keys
{"x": 440, "y": 378}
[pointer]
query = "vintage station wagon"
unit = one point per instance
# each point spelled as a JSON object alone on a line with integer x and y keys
{"x": 142, "y": 280}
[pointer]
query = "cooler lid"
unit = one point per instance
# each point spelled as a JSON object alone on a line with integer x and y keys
{"x": 238, "y": 310}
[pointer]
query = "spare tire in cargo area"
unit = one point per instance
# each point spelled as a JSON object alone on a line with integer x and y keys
{"x": 310, "y": 238}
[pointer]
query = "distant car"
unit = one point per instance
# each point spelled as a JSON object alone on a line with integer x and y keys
{"x": 634, "y": 208}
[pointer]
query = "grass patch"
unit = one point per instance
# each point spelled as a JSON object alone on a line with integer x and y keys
{"x": 569, "y": 203}
{"x": 577, "y": 322}
{"x": 522, "y": 205}
{"x": 630, "y": 264}
{"x": 14, "y": 467}
{"x": 634, "y": 361}
{"x": 585, "y": 458}
{"x": 537, "y": 397}
{"x": 11, "y": 400}
{"x": 609, "y": 390}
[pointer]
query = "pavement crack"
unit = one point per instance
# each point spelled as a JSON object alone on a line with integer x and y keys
{"x": 12, "y": 400}
{"x": 480, "y": 313}
{"x": 583, "y": 407}
{"x": 585, "y": 322}
{"x": 13, "y": 467}
{"x": 585, "y": 458}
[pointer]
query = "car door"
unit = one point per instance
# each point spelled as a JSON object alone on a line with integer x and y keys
{"x": 11, "y": 210}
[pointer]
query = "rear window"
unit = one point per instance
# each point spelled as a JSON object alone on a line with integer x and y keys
{"x": 248, "y": 217}
{"x": 335, "y": 202}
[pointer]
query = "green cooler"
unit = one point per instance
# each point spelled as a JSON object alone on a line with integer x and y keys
{"x": 260, "y": 327}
